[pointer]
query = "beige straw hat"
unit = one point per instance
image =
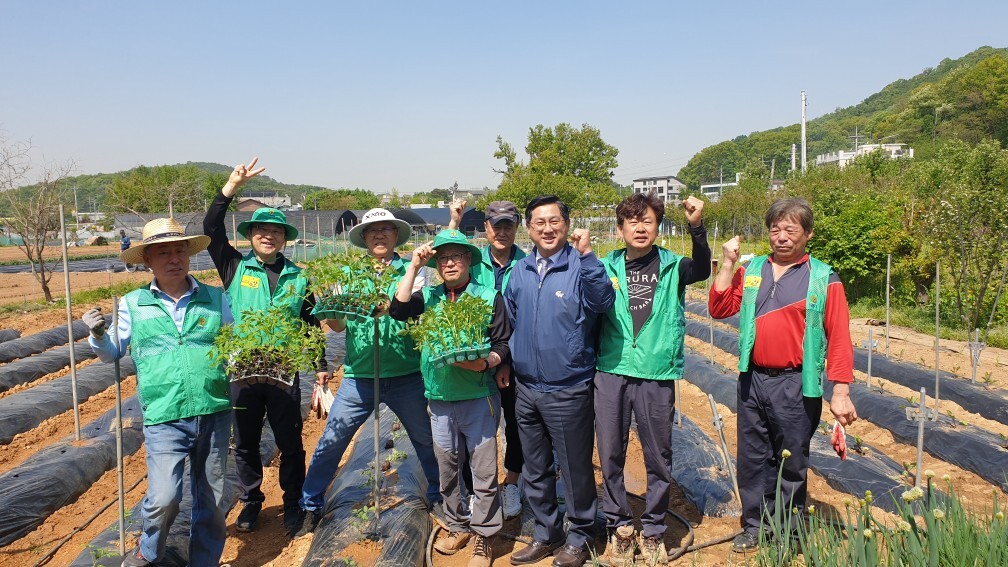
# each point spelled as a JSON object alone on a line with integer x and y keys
{"x": 163, "y": 230}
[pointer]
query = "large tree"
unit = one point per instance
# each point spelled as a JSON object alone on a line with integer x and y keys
{"x": 150, "y": 192}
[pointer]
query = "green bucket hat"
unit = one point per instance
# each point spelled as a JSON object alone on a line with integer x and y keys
{"x": 452, "y": 236}
{"x": 268, "y": 215}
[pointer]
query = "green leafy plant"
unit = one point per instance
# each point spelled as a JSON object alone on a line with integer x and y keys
{"x": 453, "y": 331}
{"x": 350, "y": 284}
{"x": 362, "y": 516}
{"x": 397, "y": 455}
{"x": 268, "y": 343}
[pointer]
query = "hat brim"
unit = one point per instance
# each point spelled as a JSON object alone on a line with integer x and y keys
{"x": 403, "y": 228}
{"x": 493, "y": 220}
{"x": 243, "y": 226}
{"x": 134, "y": 254}
{"x": 477, "y": 254}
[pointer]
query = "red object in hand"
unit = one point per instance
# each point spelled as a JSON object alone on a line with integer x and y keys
{"x": 839, "y": 440}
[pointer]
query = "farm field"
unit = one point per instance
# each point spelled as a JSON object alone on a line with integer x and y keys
{"x": 268, "y": 546}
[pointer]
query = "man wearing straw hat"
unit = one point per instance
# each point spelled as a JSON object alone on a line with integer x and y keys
{"x": 169, "y": 326}
{"x": 258, "y": 280}
{"x": 401, "y": 386}
{"x": 464, "y": 398}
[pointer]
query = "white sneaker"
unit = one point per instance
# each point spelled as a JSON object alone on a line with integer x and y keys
{"x": 511, "y": 501}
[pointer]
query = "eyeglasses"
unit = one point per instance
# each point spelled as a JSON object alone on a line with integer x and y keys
{"x": 453, "y": 258}
{"x": 268, "y": 230}
{"x": 376, "y": 229}
{"x": 554, "y": 223}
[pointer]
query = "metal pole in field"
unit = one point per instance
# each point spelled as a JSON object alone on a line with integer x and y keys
{"x": 119, "y": 436}
{"x": 871, "y": 351}
{"x": 375, "y": 492}
{"x": 333, "y": 223}
{"x": 937, "y": 337}
{"x": 888, "y": 286}
{"x": 318, "y": 237}
{"x": 69, "y": 312}
{"x": 304, "y": 241}
{"x": 920, "y": 435}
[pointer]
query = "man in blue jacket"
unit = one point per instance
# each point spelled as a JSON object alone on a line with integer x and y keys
{"x": 555, "y": 296}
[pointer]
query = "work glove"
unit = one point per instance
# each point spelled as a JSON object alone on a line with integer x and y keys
{"x": 95, "y": 321}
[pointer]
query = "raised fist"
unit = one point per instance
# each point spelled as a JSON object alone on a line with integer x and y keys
{"x": 694, "y": 210}
{"x": 730, "y": 252}
{"x": 581, "y": 240}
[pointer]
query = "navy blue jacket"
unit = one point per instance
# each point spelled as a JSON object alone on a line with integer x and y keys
{"x": 553, "y": 345}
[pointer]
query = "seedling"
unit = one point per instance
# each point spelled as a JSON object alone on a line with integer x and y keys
{"x": 369, "y": 476}
{"x": 453, "y": 331}
{"x": 362, "y": 516}
{"x": 397, "y": 455}
{"x": 351, "y": 284}
{"x": 858, "y": 445}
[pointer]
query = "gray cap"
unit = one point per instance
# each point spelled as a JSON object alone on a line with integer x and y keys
{"x": 498, "y": 211}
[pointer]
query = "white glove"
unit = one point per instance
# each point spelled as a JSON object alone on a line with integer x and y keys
{"x": 95, "y": 321}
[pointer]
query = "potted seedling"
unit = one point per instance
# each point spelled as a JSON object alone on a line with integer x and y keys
{"x": 454, "y": 331}
{"x": 269, "y": 345}
{"x": 348, "y": 285}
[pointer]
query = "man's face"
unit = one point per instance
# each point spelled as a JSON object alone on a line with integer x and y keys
{"x": 640, "y": 233}
{"x": 453, "y": 263}
{"x": 788, "y": 240}
{"x": 267, "y": 238}
{"x": 502, "y": 234}
{"x": 169, "y": 261}
{"x": 380, "y": 238}
{"x": 548, "y": 229}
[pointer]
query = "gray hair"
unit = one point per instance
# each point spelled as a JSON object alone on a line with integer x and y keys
{"x": 795, "y": 208}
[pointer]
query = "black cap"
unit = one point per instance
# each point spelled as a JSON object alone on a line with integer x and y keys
{"x": 498, "y": 211}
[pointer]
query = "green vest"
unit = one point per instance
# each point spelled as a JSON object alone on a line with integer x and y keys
{"x": 656, "y": 352}
{"x": 396, "y": 351}
{"x": 483, "y": 272}
{"x": 175, "y": 379}
{"x": 249, "y": 288}
{"x": 451, "y": 383}
{"x": 814, "y": 341}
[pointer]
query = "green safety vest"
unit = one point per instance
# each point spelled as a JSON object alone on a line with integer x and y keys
{"x": 396, "y": 350}
{"x": 814, "y": 341}
{"x": 451, "y": 383}
{"x": 482, "y": 272}
{"x": 249, "y": 288}
{"x": 656, "y": 352}
{"x": 175, "y": 378}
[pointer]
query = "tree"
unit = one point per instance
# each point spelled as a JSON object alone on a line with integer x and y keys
{"x": 34, "y": 210}
{"x": 149, "y": 192}
{"x": 340, "y": 199}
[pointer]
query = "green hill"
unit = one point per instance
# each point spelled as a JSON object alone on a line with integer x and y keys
{"x": 965, "y": 98}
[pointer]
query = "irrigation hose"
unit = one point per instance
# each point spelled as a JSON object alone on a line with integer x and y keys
{"x": 52, "y": 552}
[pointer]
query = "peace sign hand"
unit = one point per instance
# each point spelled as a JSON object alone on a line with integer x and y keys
{"x": 240, "y": 175}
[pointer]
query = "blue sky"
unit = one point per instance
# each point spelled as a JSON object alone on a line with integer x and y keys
{"x": 412, "y": 95}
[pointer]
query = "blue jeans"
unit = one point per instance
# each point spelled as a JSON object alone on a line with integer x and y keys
{"x": 354, "y": 402}
{"x": 204, "y": 440}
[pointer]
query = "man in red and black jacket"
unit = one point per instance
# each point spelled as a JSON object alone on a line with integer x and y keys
{"x": 794, "y": 324}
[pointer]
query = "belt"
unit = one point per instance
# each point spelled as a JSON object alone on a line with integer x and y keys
{"x": 775, "y": 372}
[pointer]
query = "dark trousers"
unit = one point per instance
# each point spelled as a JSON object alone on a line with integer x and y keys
{"x": 773, "y": 415}
{"x": 563, "y": 421}
{"x": 652, "y": 402}
{"x": 513, "y": 459}
{"x": 281, "y": 405}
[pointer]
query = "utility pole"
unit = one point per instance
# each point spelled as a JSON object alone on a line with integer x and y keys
{"x": 856, "y": 137}
{"x": 794, "y": 157}
{"x": 773, "y": 169}
{"x": 804, "y": 140}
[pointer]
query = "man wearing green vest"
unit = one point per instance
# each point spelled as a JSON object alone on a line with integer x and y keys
{"x": 169, "y": 326}
{"x": 794, "y": 324}
{"x": 463, "y": 397}
{"x": 640, "y": 357}
{"x": 259, "y": 280}
{"x": 492, "y": 269}
{"x": 401, "y": 385}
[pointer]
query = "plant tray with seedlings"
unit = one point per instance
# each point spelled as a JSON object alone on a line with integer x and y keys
{"x": 269, "y": 346}
{"x": 454, "y": 331}
{"x": 348, "y": 285}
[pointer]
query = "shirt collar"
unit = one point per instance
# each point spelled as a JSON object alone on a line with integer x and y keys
{"x": 193, "y": 286}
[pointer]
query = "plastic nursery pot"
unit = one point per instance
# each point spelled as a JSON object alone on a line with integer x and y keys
{"x": 472, "y": 354}
{"x": 484, "y": 351}
{"x": 270, "y": 378}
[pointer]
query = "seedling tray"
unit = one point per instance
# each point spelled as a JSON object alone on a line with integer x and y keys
{"x": 460, "y": 355}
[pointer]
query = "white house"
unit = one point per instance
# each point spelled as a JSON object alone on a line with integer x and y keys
{"x": 712, "y": 191}
{"x": 668, "y": 188}
{"x": 842, "y": 157}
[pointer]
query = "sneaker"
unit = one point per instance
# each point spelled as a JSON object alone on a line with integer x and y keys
{"x": 653, "y": 551}
{"x": 450, "y": 544}
{"x": 482, "y": 554}
{"x": 622, "y": 546}
{"x": 745, "y": 542}
{"x": 135, "y": 559}
{"x": 309, "y": 523}
{"x": 293, "y": 519}
{"x": 511, "y": 501}
{"x": 249, "y": 515}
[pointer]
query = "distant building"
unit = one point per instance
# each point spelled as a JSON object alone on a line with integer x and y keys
{"x": 249, "y": 205}
{"x": 268, "y": 198}
{"x": 668, "y": 188}
{"x": 712, "y": 191}
{"x": 842, "y": 157}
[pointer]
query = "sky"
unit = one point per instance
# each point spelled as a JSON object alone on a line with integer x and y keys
{"x": 412, "y": 95}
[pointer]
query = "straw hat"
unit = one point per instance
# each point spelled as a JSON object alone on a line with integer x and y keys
{"x": 356, "y": 235}
{"x": 163, "y": 230}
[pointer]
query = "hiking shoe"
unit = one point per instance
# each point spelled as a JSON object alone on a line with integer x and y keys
{"x": 293, "y": 518}
{"x": 482, "y": 554}
{"x": 308, "y": 523}
{"x": 511, "y": 501}
{"x": 450, "y": 544}
{"x": 249, "y": 515}
{"x": 745, "y": 542}
{"x": 622, "y": 545}
{"x": 653, "y": 551}
{"x": 135, "y": 559}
